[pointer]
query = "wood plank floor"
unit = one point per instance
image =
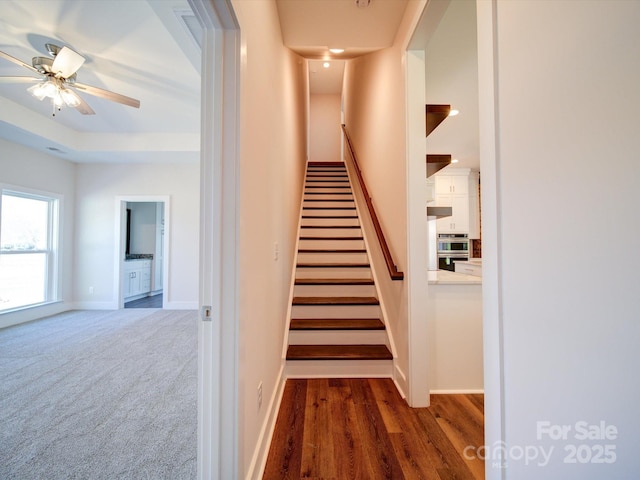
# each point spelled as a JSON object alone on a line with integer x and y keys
{"x": 154, "y": 301}
{"x": 338, "y": 429}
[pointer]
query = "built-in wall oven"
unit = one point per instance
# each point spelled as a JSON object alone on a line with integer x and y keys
{"x": 452, "y": 247}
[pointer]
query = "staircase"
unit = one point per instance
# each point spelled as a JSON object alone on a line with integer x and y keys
{"x": 336, "y": 327}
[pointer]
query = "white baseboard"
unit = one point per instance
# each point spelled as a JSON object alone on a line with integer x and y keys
{"x": 84, "y": 305}
{"x": 400, "y": 380}
{"x": 461, "y": 391}
{"x": 259, "y": 459}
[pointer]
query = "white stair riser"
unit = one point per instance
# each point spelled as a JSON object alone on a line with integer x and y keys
{"x": 331, "y": 244}
{"x": 336, "y": 272}
{"x": 334, "y": 291}
{"x": 328, "y": 198}
{"x": 310, "y": 199}
{"x": 339, "y": 368}
{"x": 328, "y": 212}
{"x": 331, "y": 232}
{"x": 332, "y": 258}
{"x": 336, "y": 222}
{"x": 326, "y": 189}
{"x": 335, "y": 311}
{"x": 337, "y": 337}
{"x": 325, "y": 204}
{"x": 327, "y": 182}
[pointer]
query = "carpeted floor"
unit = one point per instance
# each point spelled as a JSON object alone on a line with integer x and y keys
{"x": 100, "y": 395}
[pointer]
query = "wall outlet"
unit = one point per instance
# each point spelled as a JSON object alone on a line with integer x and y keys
{"x": 90, "y": 290}
{"x": 276, "y": 251}
{"x": 259, "y": 395}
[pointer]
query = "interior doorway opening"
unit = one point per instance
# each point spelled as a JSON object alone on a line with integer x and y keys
{"x": 141, "y": 264}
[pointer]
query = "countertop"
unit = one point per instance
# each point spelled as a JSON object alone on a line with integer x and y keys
{"x": 138, "y": 256}
{"x": 473, "y": 261}
{"x": 445, "y": 277}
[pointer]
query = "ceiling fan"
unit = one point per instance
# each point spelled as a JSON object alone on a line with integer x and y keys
{"x": 58, "y": 80}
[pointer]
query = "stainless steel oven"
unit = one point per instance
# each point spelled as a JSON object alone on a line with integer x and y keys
{"x": 452, "y": 247}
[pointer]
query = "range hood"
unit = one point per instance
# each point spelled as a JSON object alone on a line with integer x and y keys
{"x": 438, "y": 212}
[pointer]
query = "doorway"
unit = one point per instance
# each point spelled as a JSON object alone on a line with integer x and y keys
{"x": 141, "y": 265}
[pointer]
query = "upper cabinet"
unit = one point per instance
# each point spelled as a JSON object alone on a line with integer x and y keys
{"x": 458, "y": 188}
{"x": 452, "y": 184}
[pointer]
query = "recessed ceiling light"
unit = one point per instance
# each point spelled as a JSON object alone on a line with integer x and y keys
{"x": 453, "y": 113}
{"x": 326, "y": 64}
{"x": 336, "y": 50}
{"x": 455, "y": 160}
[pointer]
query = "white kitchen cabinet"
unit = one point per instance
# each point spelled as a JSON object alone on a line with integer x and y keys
{"x": 137, "y": 278}
{"x": 472, "y": 267}
{"x": 452, "y": 184}
{"x": 458, "y": 189}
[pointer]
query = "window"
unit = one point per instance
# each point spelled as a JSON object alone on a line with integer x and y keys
{"x": 28, "y": 249}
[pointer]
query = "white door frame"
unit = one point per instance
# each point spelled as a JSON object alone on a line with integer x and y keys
{"x": 218, "y": 438}
{"x": 121, "y": 202}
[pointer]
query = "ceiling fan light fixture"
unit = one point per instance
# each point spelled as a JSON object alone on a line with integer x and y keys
{"x": 59, "y": 95}
{"x": 70, "y": 98}
{"x": 43, "y": 90}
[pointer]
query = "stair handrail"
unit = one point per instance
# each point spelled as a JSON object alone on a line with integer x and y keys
{"x": 391, "y": 266}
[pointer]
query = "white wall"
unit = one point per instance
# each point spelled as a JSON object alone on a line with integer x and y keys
{"x": 98, "y": 185}
{"x": 273, "y": 143}
{"x": 451, "y": 78}
{"x": 25, "y": 167}
{"x": 325, "y": 129}
{"x": 565, "y": 172}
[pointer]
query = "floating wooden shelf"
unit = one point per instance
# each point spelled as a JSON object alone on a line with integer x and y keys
{"x": 436, "y": 115}
{"x": 435, "y": 163}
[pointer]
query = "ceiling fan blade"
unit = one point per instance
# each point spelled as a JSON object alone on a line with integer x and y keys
{"x": 106, "y": 94}
{"x": 83, "y": 107}
{"x": 19, "y": 80}
{"x": 66, "y": 62}
{"x": 6, "y": 56}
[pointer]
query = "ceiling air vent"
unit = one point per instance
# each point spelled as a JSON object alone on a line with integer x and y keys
{"x": 191, "y": 24}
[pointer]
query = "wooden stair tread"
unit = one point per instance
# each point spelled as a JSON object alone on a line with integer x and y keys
{"x": 328, "y": 200}
{"x": 328, "y": 208}
{"x": 314, "y": 180}
{"x": 335, "y": 227}
{"x": 335, "y": 301}
{"x": 336, "y": 324}
{"x": 327, "y": 186}
{"x": 331, "y": 238}
{"x": 333, "y": 265}
{"x": 338, "y": 352}
{"x": 331, "y": 250}
{"x": 334, "y": 281}
{"x": 329, "y": 216}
